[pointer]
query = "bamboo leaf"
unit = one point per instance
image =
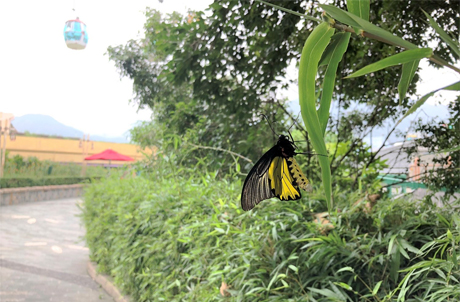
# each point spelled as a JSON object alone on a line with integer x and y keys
{"x": 346, "y": 269}
{"x": 313, "y": 49}
{"x": 395, "y": 265}
{"x": 402, "y": 251}
{"x": 376, "y": 288}
{"x": 359, "y": 8}
{"x": 355, "y": 21}
{"x": 327, "y": 293}
{"x": 444, "y": 36}
{"x": 420, "y": 102}
{"x": 340, "y": 45}
{"x": 400, "y": 58}
{"x": 407, "y": 74}
{"x": 344, "y": 285}
{"x": 390, "y": 245}
{"x": 340, "y": 15}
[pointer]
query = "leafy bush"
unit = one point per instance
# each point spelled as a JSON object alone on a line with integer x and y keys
{"x": 18, "y": 166}
{"x": 17, "y": 182}
{"x": 180, "y": 237}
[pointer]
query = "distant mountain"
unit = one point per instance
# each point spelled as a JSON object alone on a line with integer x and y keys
{"x": 46, "y": 125}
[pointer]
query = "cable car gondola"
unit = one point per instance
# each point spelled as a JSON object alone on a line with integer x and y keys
{"x": 75, "y": 34}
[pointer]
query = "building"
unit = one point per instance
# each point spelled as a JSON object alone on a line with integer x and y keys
{"x": 69, "y": 150}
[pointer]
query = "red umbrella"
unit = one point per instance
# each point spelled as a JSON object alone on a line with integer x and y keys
{"x": 109, "y": 155}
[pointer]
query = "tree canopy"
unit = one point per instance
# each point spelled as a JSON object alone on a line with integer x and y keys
{"x": 209, "y": 76}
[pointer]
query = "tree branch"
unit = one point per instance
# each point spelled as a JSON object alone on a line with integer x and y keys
{"x": 223, "y": 150}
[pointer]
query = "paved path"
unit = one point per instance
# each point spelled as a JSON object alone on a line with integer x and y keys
{"x": 42, "y": 254}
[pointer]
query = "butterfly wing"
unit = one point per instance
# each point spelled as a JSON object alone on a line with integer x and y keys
{"x": 257, "y": 184}
{"x": 283, "y": 182}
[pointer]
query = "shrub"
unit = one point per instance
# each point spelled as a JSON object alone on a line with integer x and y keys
{"x": 180, "y": 238}
{"x": 17, "y": 182}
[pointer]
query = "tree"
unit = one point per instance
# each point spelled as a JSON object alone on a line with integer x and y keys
{"x": 439, "y": 136}
{"x": 212, "y": 75}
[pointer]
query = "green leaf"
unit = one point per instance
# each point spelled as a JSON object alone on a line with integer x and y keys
{"x": 334, "y": 53}
{"x": 327, "y": 293}
{"x": 402, "y": 251}
{"x": 444, "y": 36}
{"x": 400, "y": 58}
{"x": 344, "y": 285}
{"x": 359, "y": 8}
{"x": 340, "y": 15}
{"x": 395, "y": 265}
{"x": 295, "y": 269}
{"x": 355, "y": 21}
{"x": 376, "y": 288}
{"x": 346, "y": 269}
{"x": 420, "y": 102}
{"x": 409, "y": 247}
{"x": 312, "y": 52}
{"x": 390, "y": 245}
{"x": 407, "y": 74}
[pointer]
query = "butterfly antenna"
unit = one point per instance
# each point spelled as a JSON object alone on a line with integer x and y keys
{"x": 269, "y": 124}
{"x": 292, "y": 139}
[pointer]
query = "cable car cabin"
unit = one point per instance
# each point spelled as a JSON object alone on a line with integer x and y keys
{"x": 75, "y": 34}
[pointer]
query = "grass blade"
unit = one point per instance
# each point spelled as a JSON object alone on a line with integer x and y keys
{"x": 311, "y": 54}
{"x": 444, "y": 36}
{"x": 407, "y": 74}
{"x": 455, "y": 86}
{"x": 400, "y": 58}
{"x": 337, "y": 48}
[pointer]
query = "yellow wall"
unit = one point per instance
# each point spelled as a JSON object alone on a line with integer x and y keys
{"x": 68, "y": 150}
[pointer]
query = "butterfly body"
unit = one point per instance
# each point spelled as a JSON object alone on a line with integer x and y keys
{"x": 276, "y": 174}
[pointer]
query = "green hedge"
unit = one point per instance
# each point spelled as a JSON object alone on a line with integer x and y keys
{"x": 18, "y": 182}
{"x": 179, "y": 239}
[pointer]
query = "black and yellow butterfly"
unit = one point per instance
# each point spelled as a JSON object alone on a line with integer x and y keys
{"x": 275, "y": 174}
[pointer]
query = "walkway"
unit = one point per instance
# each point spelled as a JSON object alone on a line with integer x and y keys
{"x": 42, "y": 254}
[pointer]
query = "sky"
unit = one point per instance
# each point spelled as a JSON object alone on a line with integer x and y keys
{"x": 82, "y": 89}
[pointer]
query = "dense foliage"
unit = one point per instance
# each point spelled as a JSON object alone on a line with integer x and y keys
{"x": 177, "y": 232}
{"x": 32, "y": 167}
{"x": 438, "y": 136}
{"x": 180, "y": 235}
{"x": 30, "y": 172}
{"x": 24, "y": 181}
{"x": 209, "y": 77}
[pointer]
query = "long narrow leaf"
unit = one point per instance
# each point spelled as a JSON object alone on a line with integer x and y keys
{"x": 359, "y": 8}
{"x": 407, "y": 74}
{"x": 444, "y": 36}
{"x": 455, "y": 86}
{"x": 339, "y": 46}
{"x": 311, "y": 54}
{"x": 400, "y": 58}
{"x": 355, "y": 21}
